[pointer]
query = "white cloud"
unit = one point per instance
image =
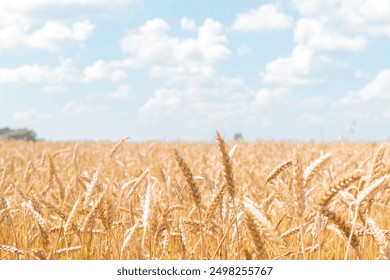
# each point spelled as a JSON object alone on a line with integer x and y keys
{"x": 315, "y": 35}
{"x": 101, "y": 70}
{"x": 314, "y": 7}
{"x": 163, "y": 101}
{"x": 46, "y": 24}
{"x": 121, "y": 93}
{"x": 369, "y": 106}
{"x": 172, "y": 59}
{"x": 38, "y": 74}
{"x": 219, "y": 100}
{"x": 184, "y": 75}
{"x": 223, "y": 103}
{"x": 151, "y": 45}
{"x": 11, "y": 36}
{"x": 302, "y": 67}
{"x": 354, "y": 11}
{"x": 53, "y": 33}
{"x": 267, "y": 17}
{"x": 266, "y": 96}
{"x": 376, "y": 10}
{"x": 30, "y": 11}
{"x": 188, "y": 24}
{"x": 50, "y": 37}
{"x": 362, "y": 17}
{"x": 376, "y": 91}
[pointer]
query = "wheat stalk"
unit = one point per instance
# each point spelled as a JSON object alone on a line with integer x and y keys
{"x": 128, "y": 237}
{"x": 376, "y": 167}
{"x": 255, "y": 235}
{"x": 11, "y": 249}
{"x": 333, "y": 189}
{"x": 194, "y": 192}
{"x": 277, "y": 170}
{"x": 315, "y": 167}
{"x": 227, "y": 166}
{"x": 380, "y": 238}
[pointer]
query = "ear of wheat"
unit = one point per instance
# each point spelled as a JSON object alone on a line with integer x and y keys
{"x": 176, "y": 200}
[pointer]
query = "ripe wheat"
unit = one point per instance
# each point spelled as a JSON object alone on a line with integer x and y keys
{"x": 196, "y": 201}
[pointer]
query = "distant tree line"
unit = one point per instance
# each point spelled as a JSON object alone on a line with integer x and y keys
{"x": 18, "y": 134}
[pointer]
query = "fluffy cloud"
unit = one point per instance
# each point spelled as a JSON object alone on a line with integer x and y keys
{"x": 151, "y": 44}
{"x": 10, "y": 37}
{"x": 112, "y": 71}
{"x": 53, "y": 33}
{"x": 315, "y": 35}
{"x": 358, "y": 16}
{"x": 267, "y": 17}
{"x": 266, "y": 96}
{"x": 302, "y": 67}
{"x": 369, "y": 105}
{"x": 163, "y": 101}
{"x": 39, "y": 74}
{"x": 46, "y": 24}
{"x": 378, "y": 91}
{"x": 226, "y": 103}
{"x": 221, "y": 98}
{"x": 49, "y": 37}
{"x": 184, "y": 75}
{"x": 172, "y": 59}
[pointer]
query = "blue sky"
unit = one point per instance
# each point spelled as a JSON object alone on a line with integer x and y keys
{"x": 169, "y": 70}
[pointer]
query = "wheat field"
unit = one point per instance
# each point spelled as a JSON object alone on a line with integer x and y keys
{"x": 171, "y": 201}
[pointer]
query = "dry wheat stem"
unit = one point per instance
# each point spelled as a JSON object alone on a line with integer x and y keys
{"x": 194, "y": 192}
{"x": 12, "y": 249}
{"x": 67, "y": 250}
{"x": 336, "y": 187}
{"x": 376, "y": 167}
{"x": 227, "y": 167}
{"x": 279, "y": 169}
{"x": 117, "y": 146}
{"x": 255, "y": 235}
{"x": 128, "y": 237}
{"x": 298, "y": 185}
{"x": 104, "y": 210}
{"x": 315, "y": 167}
{"x": 71, "y": 215}
{"x": 380, "y": 238}
{"x": 229, "y": 179}
{"x": 91, "y": 187}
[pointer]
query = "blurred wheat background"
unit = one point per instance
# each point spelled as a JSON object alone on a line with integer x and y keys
{"x": 264, "y": 200}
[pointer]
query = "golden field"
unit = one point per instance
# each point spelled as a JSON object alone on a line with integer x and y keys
{"x": 233, "y": 200}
